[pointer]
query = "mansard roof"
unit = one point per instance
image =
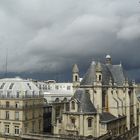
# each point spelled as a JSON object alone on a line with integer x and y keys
{"x": 113, "y": 72}
{"x": 18, "y": 88}
{"x": 84, "y": 103}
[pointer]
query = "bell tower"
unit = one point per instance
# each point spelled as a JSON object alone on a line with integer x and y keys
{"x": 98, "y": 72}
{"x": 75, "y": 76}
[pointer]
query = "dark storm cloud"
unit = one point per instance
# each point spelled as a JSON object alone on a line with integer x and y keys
{"x": 49, "y": 36}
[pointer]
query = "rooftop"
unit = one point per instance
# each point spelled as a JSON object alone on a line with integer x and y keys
{"x": 17, "y": 88}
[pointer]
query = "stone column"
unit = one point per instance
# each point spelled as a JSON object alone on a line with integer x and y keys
{"x": 53, "y": 118}
{"x": 134, "y": 104}
{"x": 127, "y": 105}
{"x": 97, "y": 123}
{"x": 81, "y": 127}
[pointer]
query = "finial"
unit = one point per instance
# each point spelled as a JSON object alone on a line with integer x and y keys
{"x": 75, "y": 68}
{"x": 108, "y": 59}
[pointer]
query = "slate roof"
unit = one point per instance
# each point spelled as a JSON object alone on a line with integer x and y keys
{"x": 84, "y": 103}
{"x": 107, "y": 117}
{"x": 89, "y": 77}
{"x": 117, "y": 73}
{"x": 113, "y": 72}
{"x": 75, "y": 69}
{"x": 18, "y": 88}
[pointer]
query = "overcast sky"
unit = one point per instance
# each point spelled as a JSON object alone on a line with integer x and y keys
{"x": 43, "y": 38}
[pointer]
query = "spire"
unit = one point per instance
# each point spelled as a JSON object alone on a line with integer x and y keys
{"x": 75, "y": 69}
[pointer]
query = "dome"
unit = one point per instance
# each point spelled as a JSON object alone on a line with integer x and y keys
{"x": 18, "y": 88}
{"x": 108, "y": 57}
{"x": 75, "y": 68}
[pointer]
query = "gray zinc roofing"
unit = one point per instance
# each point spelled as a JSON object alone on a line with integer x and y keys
{"x": 114, "y": 72}
{"x": 84, "y": 103}
{"x": 107, "y": 117}
{"x": 75, "y": 68}
{"x": 90, "y": 76}
{"x": 118, "y": 74}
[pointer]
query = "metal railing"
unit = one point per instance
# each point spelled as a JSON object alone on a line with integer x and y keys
{"x": 20, "y": 106}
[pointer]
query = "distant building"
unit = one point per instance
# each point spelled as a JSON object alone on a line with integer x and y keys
{"x": 56, "y": 93}
{"x": 21, "y": 108}
{"x": 53, "y": 85}
{"x": 104, "y": 102}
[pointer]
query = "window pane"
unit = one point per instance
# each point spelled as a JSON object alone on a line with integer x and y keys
{"x": 16, "y": 115}
{"x": 16, "y": 129}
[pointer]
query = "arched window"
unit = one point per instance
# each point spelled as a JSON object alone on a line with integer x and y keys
{"x": 100, "y": 77}
{"x": 57, "y": 100}
{"x": 65, "y": 99}
{"x": 73, "y": 121}
{"x": 76, "y": 78}
{"x": 72, "y": 105}
{"x": 89, "y": 122}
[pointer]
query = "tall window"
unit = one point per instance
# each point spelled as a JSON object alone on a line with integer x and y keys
{"x": 6, "y": 129}
{"x": 73, "y": 121}
{"x": 16, "y": 130}
{"x": 100, "y": 77}
{"x": 7, "y": 115}
{"x": 90, "y": 122}
{"x": 18, "y": 94}
{"x": 76, "y": 78}
{"x": 17, "y": 105}
{"x": 26, "y": 116}
{"x": 7, "y": 104}
{"x": 11, "y": 85}
{"x": 8, "y": 94}
{"x": 72, "y": 105}
{"x": 16, "y": 115}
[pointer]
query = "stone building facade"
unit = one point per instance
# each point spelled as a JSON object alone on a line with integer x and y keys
{"x": 21, "y": 108}
{"x": 104, "y": 101}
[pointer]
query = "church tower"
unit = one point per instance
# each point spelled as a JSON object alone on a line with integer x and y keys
{"x": 75, "y": 76}
{"x": 98, "y": 72}
{"x": 98, "y": 86}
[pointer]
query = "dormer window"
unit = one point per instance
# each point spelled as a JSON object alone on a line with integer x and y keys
{"x": 57, "y": 100}
{"x": 73, "y": 105}
{"x": 11, "y": 85}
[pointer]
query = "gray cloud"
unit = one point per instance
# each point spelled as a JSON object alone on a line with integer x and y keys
{"x": 49, "y": 36}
